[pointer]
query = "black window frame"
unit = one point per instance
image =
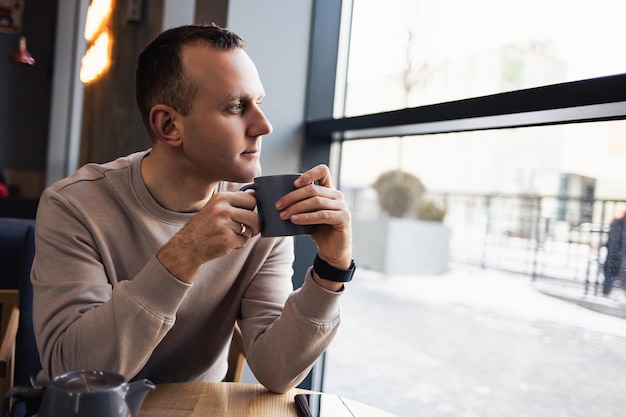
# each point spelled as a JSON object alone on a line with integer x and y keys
{"x": 590, "y": 100}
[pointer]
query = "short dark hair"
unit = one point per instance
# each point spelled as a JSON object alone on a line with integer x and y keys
{"x": 160, "y": 77}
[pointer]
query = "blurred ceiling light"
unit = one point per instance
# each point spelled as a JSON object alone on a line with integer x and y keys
{"x": 98, "y": 15}
{"x": 96, "y": 60}
{"x": 22, "y": 55}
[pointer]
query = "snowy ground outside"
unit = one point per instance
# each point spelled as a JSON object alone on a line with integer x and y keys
{"x": 475, "y": 342}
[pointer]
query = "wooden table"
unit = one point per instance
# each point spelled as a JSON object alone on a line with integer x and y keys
{"x": 228, "y": 399}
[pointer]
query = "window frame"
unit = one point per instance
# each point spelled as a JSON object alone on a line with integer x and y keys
{"x": 590, "y": 100}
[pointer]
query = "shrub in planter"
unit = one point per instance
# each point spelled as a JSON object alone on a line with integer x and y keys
{"x": 402, "y": 242}
{"x": 429, "y": 210}
{"x": 400, "y": 194}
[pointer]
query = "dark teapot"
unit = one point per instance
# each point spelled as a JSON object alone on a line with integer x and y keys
{"x": 85, "y": 394}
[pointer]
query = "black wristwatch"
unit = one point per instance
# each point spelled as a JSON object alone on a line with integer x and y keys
{"x": 329, "y": 272}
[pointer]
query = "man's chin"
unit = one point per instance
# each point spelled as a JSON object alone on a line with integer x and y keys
{"x": 246, "y": 176}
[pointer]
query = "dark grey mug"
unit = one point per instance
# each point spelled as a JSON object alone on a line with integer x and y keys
{"x": 269, "y": 189}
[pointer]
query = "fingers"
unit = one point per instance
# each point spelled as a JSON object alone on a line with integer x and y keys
{"x": 245, "y": 200}
{"x": 245, "y": 231}
{"x": 318, "y": 205}
{"x": 242, "y": 232}
{"x": 315, "y": 198}
{"x": 244, "y": 223}
{"x": 316, "y": 201}
{"x": 319, "y": 174}
{"x": 213, "y": 232}
{"x": 228, "y": 220}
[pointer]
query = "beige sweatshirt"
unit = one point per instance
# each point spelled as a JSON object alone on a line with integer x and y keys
{"x": 103, "y": 301}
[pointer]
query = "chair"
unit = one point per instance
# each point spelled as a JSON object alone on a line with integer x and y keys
{"x": 17, "y": 249}
{"x": 236, "y": 357}
{"x": 9, "y": 320}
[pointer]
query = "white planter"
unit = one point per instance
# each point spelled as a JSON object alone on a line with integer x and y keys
{"x": 396, "y": 246}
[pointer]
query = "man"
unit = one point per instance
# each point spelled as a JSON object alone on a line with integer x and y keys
{"x": 144, "y": 264}
{"x": 613, "y": 269}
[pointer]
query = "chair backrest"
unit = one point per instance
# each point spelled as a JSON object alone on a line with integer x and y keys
{"x": 236, "y": 357}
{"x": 9, "y": 320}
{"x": 17, "y": 249}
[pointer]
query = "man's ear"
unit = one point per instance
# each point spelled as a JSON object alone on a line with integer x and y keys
{"x": 163, "y": 124}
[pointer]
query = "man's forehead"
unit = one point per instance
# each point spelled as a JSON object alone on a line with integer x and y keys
{"x": 230, "y": 74}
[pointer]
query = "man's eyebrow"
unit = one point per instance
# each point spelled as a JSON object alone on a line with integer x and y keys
{"x": 228, "y": 98}
{"x": 238, "y": 96}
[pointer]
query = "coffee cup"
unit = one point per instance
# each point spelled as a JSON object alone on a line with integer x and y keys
{"x": 268, "y": 190}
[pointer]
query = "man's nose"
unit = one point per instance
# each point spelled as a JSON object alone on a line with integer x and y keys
{"x": 261, "y": 126}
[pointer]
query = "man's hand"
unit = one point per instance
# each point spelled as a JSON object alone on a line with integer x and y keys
{"x": 214, "y": 231}
{"x": 316, "y": 201}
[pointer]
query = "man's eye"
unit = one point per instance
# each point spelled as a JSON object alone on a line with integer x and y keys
{"x": 237, "y": 107}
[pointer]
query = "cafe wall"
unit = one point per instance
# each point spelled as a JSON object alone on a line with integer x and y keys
{"x": 111, "y": 125}
{"x": 25, "y": 98}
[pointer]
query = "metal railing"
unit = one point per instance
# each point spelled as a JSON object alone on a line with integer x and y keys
{"x": 545, "y": 237}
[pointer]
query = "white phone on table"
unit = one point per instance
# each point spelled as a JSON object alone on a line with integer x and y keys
{"x": 322, "y": 405}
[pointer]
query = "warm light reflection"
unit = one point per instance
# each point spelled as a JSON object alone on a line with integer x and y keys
{"x": 98, "y": 15}
{"x": 97, "y": 59}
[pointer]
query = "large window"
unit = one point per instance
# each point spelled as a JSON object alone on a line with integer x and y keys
{"x": 511, "y": 115}
{"x": 406, "y": 53}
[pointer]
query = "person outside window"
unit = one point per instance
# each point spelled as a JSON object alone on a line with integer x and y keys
{"x": 613, "y": 268}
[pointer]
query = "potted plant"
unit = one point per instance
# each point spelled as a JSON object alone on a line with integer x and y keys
{"x": 410, "y": 236}
{"x": 398, "y": 192}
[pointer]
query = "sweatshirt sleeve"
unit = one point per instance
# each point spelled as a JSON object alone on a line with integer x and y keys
{"x": 284, "y": 337}
{"x": 82, "y": 320}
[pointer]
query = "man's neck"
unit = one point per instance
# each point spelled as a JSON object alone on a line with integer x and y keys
{"x": 172, "y": 188}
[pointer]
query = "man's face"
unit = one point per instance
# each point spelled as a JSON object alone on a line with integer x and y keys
{"x": 222, "y": 133}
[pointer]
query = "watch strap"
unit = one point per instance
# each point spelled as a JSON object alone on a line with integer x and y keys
{"x": 330, "y": 273}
